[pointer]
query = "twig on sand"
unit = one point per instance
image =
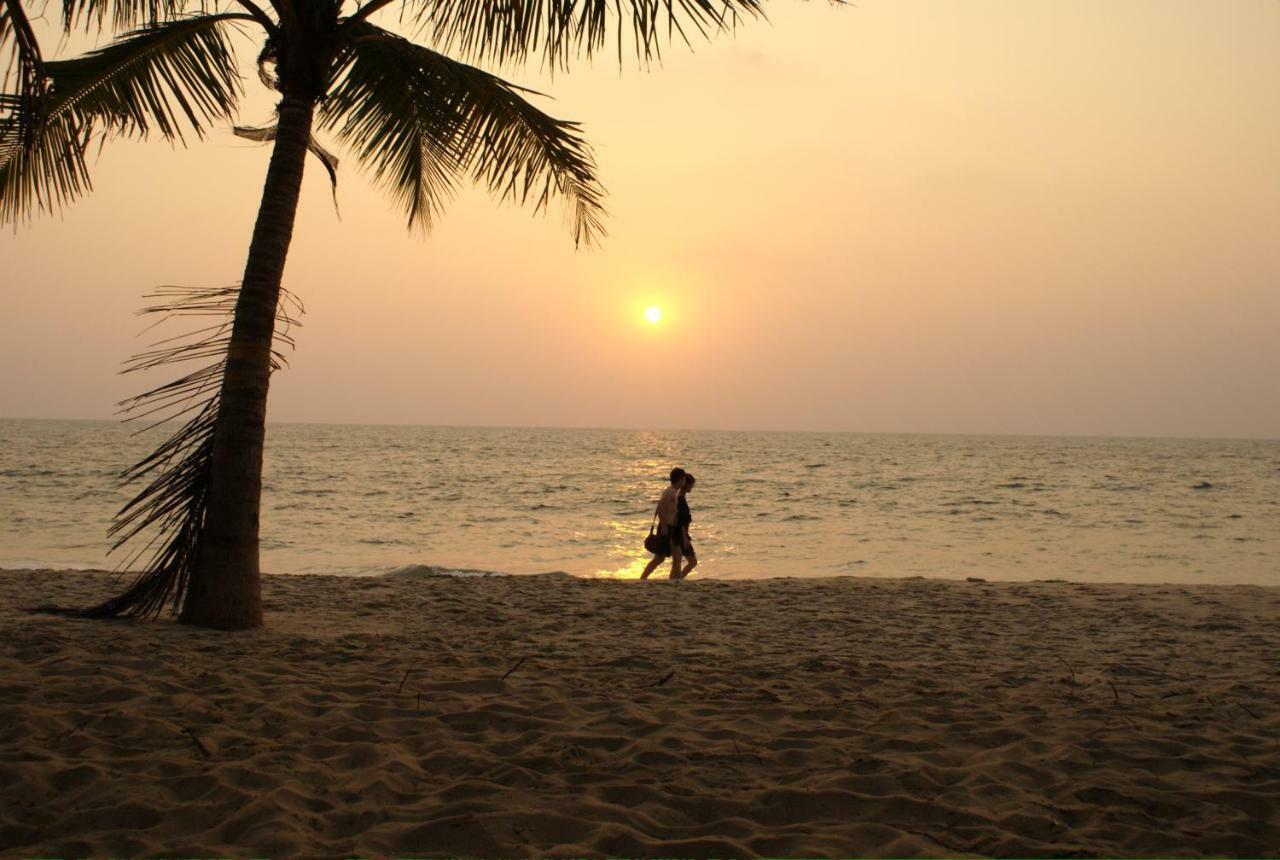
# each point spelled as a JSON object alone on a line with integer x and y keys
{"x": 1246, "y": 710}
{"x": 402, "y": 680}
{"x": 200, "y": 744}
{"x": 1118, "y": 706}
{"x": 418, "y": 704}
{"x": 951, "y": 849}
{"x": 518, "y": 664}
{"x": 665, "y": 678}
{"x": 1069, "y": 681}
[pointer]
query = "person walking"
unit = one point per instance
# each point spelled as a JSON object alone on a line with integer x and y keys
{"x": 684, "y": 518}
{"x": 667, "y": 515}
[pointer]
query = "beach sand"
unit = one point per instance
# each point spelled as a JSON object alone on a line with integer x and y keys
{"x": 527, "y": 716}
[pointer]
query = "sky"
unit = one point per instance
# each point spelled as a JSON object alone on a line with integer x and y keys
{"x": 934, "y": 216}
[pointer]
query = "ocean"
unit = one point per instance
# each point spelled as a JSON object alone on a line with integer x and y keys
{"x": 365, "y": 500}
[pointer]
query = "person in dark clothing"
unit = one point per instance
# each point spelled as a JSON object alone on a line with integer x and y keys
{"x": 683, "y": 520}
{"x": 668, "y": 526}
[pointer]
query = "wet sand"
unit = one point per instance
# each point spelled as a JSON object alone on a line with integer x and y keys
{"x": 532, "y": 716}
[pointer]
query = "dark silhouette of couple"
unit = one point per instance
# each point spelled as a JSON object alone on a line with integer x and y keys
{"x": 673, "y": 519}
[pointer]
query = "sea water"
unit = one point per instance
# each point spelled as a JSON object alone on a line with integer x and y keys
{"x": 362, "y": 500}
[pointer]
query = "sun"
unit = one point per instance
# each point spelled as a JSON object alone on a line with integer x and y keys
{"x": 653, "y": 314}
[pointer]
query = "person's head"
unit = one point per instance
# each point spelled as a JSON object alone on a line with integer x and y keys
{"x": 689, "y": 481}
{"x": 677, "y": 476}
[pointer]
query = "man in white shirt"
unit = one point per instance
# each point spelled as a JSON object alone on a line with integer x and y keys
{"x": 668, "y": 510}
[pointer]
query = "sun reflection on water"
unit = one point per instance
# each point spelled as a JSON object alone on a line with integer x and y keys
{"x": 626, "y": 542}
{"x": 632, "y": 571}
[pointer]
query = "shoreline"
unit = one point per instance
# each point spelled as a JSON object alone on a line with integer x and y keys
{"x": 429, "y": 571}
{"x": 533, "y": 715}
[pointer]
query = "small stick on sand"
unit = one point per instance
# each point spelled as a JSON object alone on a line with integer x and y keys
{"x": 199, "y": 743}
{"x": 1114, "y": 691}
{"x": 518, "y": 664}
{"x": 1246, "y": 710}
{"x": 666, "y": 678}
{"x": 1071, "y": 681}
{"x": 950, "y": 849}
{"x": 402, "y": 680}
{"x": 418, "y": 705}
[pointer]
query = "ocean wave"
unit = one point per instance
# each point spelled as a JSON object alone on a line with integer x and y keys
{"x": 426, "y": 571}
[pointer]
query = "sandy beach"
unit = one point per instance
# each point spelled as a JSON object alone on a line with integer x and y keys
{"x": 530, "y": 716}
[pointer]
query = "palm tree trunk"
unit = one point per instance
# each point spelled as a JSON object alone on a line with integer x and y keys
{"x": 225, "y": 589}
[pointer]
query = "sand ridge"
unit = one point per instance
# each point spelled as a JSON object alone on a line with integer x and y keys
{"x": 534, "y": 716}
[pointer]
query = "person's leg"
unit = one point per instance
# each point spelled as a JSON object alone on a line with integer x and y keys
{"x": 693, "y": 562}
{"x": 651, "y": 566}
{"x": 681, "y": 548}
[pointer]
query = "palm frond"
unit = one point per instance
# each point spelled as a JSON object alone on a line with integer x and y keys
{"x": 179, "y": 73}
{"x": 41, "y": 166}
{"x": 23, "y": 87}
{"x": 168, "y": 78}
{"x": 267, "y": 133}
{"x": 22, "y": 72}
{"x": 422, "y": 122}
{"x": 164, "y": 520}
{"x": 558, "y": 31}
{"x": 118, "y": 14}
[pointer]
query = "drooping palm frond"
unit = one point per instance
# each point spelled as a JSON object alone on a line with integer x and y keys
{"x": 558, "y": 31}
{"x": 422, "y": 122}
{"x": 169, "y": 78}
{"x": 164, "y": 520}
{"x": 267, "y": 133}
{"x": 23, "y": 92}
{"x": 22, "y": 71}
{"x": 42, "y": 165}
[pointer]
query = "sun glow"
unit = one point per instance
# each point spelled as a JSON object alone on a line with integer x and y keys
{"x": 653, "y": 314}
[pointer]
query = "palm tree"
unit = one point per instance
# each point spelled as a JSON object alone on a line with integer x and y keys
{"x": 421, "y": 121}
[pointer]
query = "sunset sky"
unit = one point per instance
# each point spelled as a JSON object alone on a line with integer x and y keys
{"x": 905, "y": 215}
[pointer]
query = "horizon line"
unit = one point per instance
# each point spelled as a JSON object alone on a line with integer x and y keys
{"x": 620, "y": 429}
